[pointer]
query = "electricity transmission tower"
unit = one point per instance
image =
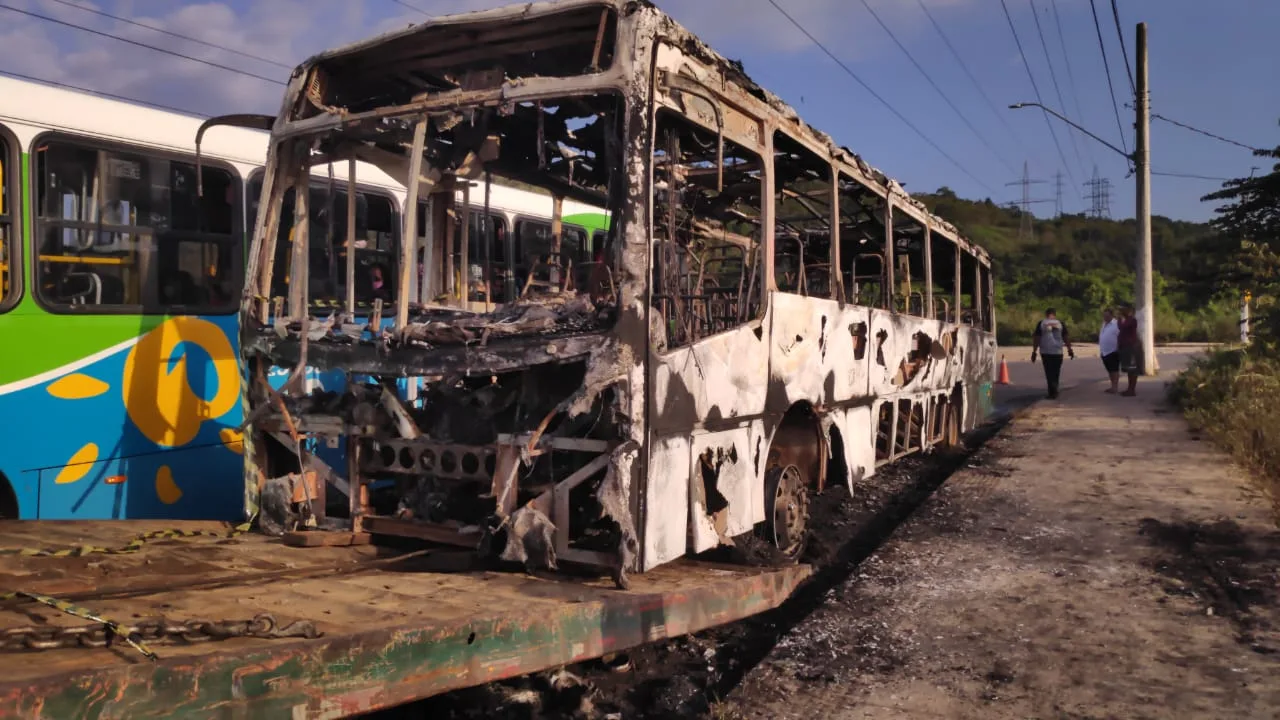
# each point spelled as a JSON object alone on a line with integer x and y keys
{"x": 1057, "y": 194}
{"x": 1024, "y": 205}
{"x": 1099, "y": 196}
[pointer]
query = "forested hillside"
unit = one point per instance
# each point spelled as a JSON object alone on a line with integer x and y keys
{"x": 1078, "y": 265}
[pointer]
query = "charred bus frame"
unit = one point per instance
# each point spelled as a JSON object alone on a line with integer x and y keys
{"x": 748, "y": 332}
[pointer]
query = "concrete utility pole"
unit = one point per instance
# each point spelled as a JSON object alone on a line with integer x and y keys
{"x": 1142, "y": 169}
{"x": 1141, "y": 159}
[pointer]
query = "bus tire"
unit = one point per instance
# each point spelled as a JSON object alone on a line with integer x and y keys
{"x": 950, "y": 426}
{"x": 8, "y": 500}
{"x": 786, "y": 509}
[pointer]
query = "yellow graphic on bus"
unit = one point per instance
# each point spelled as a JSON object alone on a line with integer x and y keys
{"x": 166, "y": 489}
{"x": 157, "y": 390}
{"x": 78, "y": 466}
{"x": 77, "y": 386}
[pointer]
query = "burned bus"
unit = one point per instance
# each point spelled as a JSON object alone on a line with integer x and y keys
{"x": 760, "y": 316}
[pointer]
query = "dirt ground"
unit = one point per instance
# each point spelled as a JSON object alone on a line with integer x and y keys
{"x": 1094, "y": 560}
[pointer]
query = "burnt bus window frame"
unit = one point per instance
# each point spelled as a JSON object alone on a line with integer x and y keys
{"x": 318, "y": 184}
{"x": 234, "y": 240}
{"x": 11, "y": 220}
{"x": 790, "y": 151}
{"x": 751, "y": 301}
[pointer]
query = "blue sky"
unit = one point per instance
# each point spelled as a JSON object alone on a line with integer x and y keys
{"x": 1213, "y": 66}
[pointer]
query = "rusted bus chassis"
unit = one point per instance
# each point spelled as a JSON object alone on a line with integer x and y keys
{"x": 766, "y": 314}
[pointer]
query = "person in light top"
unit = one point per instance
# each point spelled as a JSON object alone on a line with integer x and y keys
{"x": 1109, "y": 349}
{"x": 1049, "y": 339}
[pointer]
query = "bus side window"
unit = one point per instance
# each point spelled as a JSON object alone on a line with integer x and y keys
{"x": 8, "y": 258}
{"x": 376, "y": 253}
{"x": 573, "y": 245}
{"x": 124, "y": 230}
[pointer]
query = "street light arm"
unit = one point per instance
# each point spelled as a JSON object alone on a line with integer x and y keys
{"x": 1060, "y": 116}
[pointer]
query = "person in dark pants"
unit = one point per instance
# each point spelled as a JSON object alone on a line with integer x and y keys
{"x": 1131, "y": 357}
{"x": 1049, "y": 339}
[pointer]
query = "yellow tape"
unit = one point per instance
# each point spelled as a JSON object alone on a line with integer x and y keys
{"x": 87, "y": 614}
{"x": 132, "y": 546}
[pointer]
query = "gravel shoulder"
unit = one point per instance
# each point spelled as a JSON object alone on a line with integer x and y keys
{"x": 1094, "y": 560}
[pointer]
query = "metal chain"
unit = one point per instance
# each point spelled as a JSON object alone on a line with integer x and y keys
{"x": 151, "y": 631}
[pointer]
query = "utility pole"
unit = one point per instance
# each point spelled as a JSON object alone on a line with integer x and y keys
{"x": 1142, "y": 169}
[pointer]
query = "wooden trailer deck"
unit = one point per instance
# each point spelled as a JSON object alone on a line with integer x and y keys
{"x": 394, "y": 630}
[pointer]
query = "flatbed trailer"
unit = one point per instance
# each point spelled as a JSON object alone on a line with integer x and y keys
{"x": 395, "y": 628}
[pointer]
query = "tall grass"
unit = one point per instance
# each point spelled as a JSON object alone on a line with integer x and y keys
{"x": 1212, "y": 323}
{"x": 1234, "y": 396}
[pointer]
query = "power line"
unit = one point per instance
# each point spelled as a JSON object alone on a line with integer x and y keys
{"x": 1206, "y": 133}
{"x": 877, "y": 96}
{"x": 1057, "y": 89}
{"x": 99, "y": 93}
{"x": 934, "y": 85}
{"x": 1107, "y": 67}
{"x": 100, "y": 33}
{"x": 965, "y": 67}
{"x": 1115, "y": 12}
{"x": 402, "y": 3}
{"x": 1191, "y": 176}
{"x": 179, "y": 36}
{"x": 1071, "y": 76}
{"x": 1052, "y": 133}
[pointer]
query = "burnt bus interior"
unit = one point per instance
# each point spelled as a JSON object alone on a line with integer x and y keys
{"x": 507, "y": 427}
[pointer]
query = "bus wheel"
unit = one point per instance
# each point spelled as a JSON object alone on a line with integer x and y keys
{"x": 787, "y": 510}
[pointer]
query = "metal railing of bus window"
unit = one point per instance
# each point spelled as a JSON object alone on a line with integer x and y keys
{"x": 859, "y": 279}
{"x": 945, "y": 315}
{"x": 95, "y": 287}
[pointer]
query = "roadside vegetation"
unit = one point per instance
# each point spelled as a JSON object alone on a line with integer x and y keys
{"x": 1079, "y": 265}
{"x": 1233, "y": 394}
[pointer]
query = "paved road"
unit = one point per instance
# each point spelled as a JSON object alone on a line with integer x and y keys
{"x": 1027, "y": 381}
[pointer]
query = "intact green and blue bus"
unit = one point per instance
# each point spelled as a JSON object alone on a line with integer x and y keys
{"x": 119, "y": 292}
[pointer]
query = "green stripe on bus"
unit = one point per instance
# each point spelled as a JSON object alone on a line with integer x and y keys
{"x": 49, "y": 341}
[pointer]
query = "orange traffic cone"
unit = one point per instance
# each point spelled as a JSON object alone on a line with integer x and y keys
{"x": 1004, "y": 372}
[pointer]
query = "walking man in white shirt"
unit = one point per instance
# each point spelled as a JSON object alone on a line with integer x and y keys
{"x": 1109, "y": 349}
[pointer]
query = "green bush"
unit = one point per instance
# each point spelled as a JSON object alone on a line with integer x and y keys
{"x": 1234, "y": 396}
{"x": 1215, "y": 323}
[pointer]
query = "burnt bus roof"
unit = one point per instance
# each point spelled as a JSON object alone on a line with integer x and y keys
{"x": 633, "y": 11}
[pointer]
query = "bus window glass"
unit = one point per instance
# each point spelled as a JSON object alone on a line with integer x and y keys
{"x": 8, "y": 257}
{"x": 120, "y": 230}
{"x": 495, "y": 246}
{"x": 573, "y": 245}
{"x": 376, "y": 254}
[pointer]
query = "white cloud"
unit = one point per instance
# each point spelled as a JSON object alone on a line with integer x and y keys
{"x": 283, "y": 30}
{"x": 290, "y": 30}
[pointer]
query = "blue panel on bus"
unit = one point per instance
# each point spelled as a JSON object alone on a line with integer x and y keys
{"x": 145, "y": 430}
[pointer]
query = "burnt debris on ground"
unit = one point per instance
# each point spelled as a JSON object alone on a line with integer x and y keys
{"x": 686, "y": 677}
